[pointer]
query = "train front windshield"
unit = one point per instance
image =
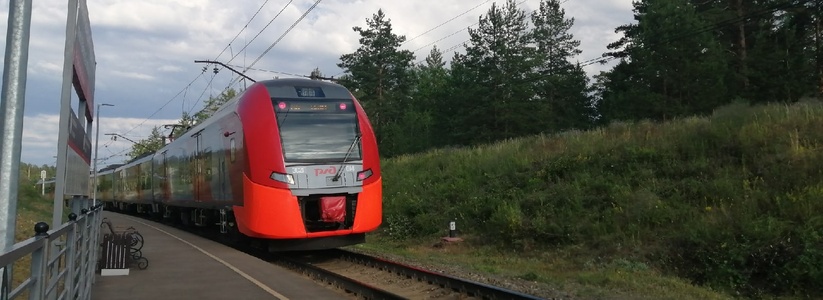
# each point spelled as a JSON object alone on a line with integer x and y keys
{"x": 317, "y": 130}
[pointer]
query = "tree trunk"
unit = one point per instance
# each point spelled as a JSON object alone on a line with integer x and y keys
{"x": 818, "y": 32}
{"x": 741, "y": 46}
{"x": 380, "y": 102}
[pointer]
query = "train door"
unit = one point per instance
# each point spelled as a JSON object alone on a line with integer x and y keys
{"x": 162, "y": 186}
{"x": 221, "y": 177}
{"x": 207, "y": 175}
{"x": 197, "y": 170}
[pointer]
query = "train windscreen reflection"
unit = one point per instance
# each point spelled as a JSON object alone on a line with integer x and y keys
{"x": 318, "y": 135}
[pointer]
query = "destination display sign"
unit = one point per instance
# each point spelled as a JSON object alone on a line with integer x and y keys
{"x": 309, "y": 92}
{"x": 319, "y": 106}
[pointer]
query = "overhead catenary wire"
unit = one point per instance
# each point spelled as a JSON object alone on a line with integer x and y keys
{"x": 461, "y": 30}
{"x": 438, "y": 26}
{"x": 710, "y": 27}
{"x": 185, "y": 89}
{"x": 242, "y": 50}
{"x": 444, "y": 23}
{"x": 274, "y": 72}
{"x": 236, "y": 79}
{"x": 221, "y": 53}
{"x": 260, "y": 32}
{"x": 228, "y": 46}
{"x": 203, "y": 71}
{"x": 167, "y": 103}
{"x": 244, "y": 28}
{"x": 728, "y": 22}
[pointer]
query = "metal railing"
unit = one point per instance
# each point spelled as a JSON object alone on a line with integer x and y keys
{"x": 63, "y": 260}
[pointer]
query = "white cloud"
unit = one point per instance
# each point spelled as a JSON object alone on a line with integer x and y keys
{"x": 39, "y": 141}
{"x": 145, "y": 50}
{"x": 170, "y": 69}
{"x": 133, "y": 75}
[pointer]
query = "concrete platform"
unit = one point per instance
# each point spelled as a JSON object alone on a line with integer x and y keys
{"x": 186, "y": 266}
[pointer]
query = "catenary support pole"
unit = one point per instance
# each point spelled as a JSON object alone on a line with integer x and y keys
{"x": 12, "y": 105}
{"x": 96, "y": 144}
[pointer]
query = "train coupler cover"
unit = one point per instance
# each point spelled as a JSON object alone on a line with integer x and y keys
{"x": 333, "y": 208}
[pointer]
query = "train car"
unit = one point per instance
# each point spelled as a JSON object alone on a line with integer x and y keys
{"x": 105, "y": 182}
{"x": 132, "y": 184}
{"x": 292, "y": 162}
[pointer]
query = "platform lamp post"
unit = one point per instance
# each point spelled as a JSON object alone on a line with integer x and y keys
{"x": 96, "y": 144}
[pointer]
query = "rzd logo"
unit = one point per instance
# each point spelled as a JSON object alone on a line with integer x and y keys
{"x": 330, "y": 170}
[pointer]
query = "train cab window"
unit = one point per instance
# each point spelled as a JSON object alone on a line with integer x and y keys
{"x": 233, "y": 149}
{"x": 318, "y": 129}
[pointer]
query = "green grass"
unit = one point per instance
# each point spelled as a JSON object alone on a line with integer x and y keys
{"x": 729, "y": 202}
{"x": 31, "y": 208}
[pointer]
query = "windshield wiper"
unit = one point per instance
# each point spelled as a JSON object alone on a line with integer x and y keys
{"x": 345, "y": 158}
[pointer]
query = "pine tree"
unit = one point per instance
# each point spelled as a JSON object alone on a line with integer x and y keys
{"x": 154, "y": 142}
{"x": 771, "y": 46}
{"x": 562, "y": 85}
{"x": 378, "y": 70}
{"x": 422, "y": 121}
{"x": 492, "y": 90}
{"x": 680, "y": 68}
{"x": 316, "y": 74}
{"x": 379, "y": 74}
{"x": 213, "y": 104}
{"x": 185, "y": 123}
{"x": 783, "y": 59}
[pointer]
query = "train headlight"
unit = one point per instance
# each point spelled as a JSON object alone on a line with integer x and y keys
{"x": 363, "y": 175}
{"x": 284, "y": 178}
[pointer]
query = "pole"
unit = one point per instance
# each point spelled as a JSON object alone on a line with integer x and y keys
{"x": 12, "y": 105}
{"x": 96, "y": 144}
{"x": 43, "y": 176}
{"x": 116, "y": 135}
{"x": 65, "y": 115}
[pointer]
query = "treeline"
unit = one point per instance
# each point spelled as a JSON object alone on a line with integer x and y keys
{"x": 516, "y": 76}
{"x": 687, "y": 57}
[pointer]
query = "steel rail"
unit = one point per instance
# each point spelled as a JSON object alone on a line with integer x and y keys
{"x": 361, "y": 289}
{"x": 471, "y": 288}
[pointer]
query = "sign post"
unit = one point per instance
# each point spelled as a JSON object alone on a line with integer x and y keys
{"x": 43, "y": 181}
{"x": 73, "y": 144}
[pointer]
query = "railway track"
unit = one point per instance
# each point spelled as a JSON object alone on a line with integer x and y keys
{"x": 367, "y": 277}
{"x": 375, "y": 278}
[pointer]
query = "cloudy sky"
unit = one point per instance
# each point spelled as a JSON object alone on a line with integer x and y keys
{"x": 145, "y": 52}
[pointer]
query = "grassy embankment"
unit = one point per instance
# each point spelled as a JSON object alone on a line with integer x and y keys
{"x": 722, "y": 206}
{"x": 31, "y": 208}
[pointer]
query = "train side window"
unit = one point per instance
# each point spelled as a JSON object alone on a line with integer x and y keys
{"x": 233, "y": 149}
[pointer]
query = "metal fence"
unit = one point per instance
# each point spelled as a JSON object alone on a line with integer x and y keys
{"x": 63, "y": 260}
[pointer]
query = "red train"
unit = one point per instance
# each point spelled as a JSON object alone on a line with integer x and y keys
{"x": 293, "y": 162}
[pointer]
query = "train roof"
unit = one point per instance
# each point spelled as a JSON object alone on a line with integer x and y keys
{"x": 296, "y": 81}
{"x": 141, "y": 156}
{"x": 281, "y": 87}
{"x": 137, "y": 160}
{"x": 110, "y": 167}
